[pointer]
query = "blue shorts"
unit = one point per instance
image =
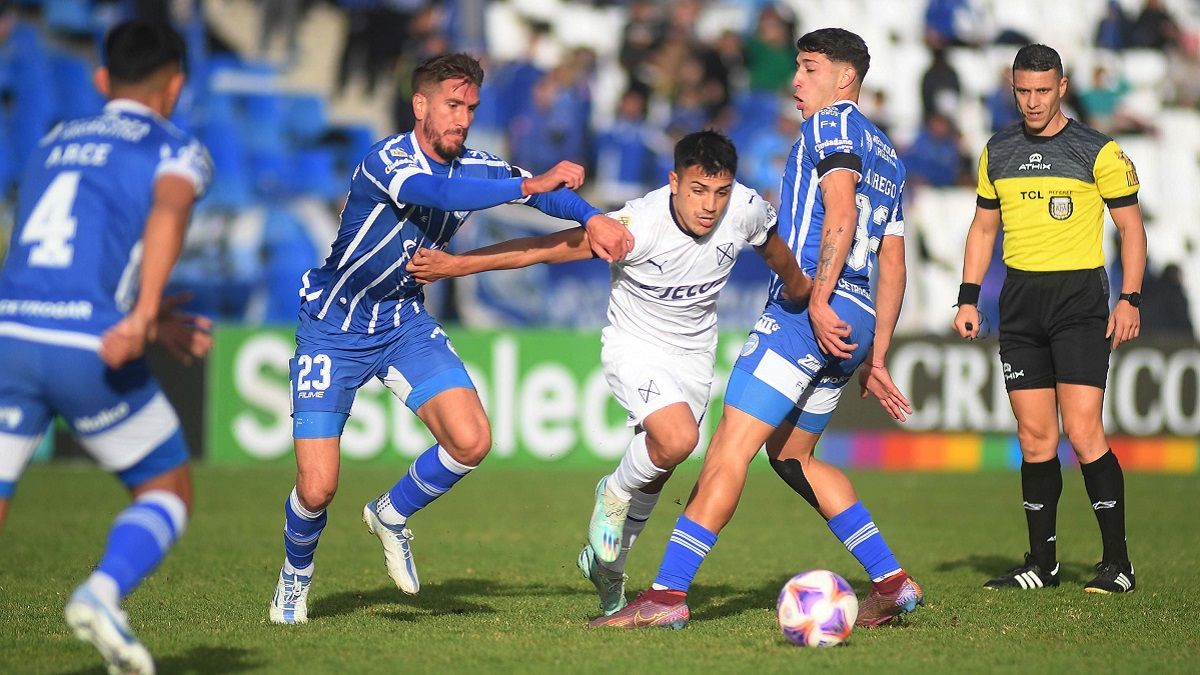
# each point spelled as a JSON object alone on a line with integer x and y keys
{"x": 782, "y": 374}
{"x": 121, "y": 417}
{"x": 415, "y": 360}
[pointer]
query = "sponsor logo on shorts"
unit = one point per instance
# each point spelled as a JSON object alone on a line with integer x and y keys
{"x": 10, "y": 417}
{"x": 103, "y": 418}
{"x": 750, "y": 345}
{"x": 766, "y": 325}
{"x": 1010, "y": 374}
{"x": 1061, "y": 208}
{"x": 810, "y": 362}
{"x": 834, "y": 379}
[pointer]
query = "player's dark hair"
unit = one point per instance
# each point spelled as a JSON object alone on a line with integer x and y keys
{"x": 457, "y": 66}
{"x": 135, "y": 50}
{"x": 710, "y": 150}
{"x": 1039, "y": 59}
{"x": 838, "y": 44}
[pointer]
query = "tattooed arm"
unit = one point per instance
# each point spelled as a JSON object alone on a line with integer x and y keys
{"x": 837, "y": 234}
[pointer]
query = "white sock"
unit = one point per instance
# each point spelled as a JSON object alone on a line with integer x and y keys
{"x": 388, "y": 513}
{"x": 105, "y": 588}
{"x": 640, "y": 506}
{"x": 635, "y": 471}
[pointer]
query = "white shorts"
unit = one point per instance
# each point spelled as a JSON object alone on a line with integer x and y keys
{"x": 645, "y": 378}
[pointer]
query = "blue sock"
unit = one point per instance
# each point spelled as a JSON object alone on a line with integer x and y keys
{"x": 301, "y": 531}
{"x": 689, "y": 544}
{"x": 429, "y": 477}
{"x": 140, "y": 538}
{"x": 857, "y": 532}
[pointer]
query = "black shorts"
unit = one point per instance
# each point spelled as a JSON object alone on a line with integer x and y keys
{"x": 1052, "y": 327}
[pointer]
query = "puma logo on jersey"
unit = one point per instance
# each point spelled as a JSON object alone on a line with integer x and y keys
{"x": 660, "y": 267}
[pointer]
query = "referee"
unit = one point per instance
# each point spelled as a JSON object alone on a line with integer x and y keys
{"x": 1048, "y": 179}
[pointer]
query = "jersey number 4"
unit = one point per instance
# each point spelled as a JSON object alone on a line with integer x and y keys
{"x": 864, "y": 243}
{"x": 51, "y": 227}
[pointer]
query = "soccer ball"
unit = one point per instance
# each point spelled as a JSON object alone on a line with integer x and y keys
{"x": 816, "y": 609}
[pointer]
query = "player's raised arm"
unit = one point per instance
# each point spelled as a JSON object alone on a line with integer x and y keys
{"x": 429, "y": 265}
{"x": 782, "y": 261}
{"x": 161, "y": 244}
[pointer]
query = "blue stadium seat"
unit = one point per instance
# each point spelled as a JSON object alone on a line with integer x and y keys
{"x": 305, "y": 118}
{"x": 263, "y": 122}
{"x": 75, "y": 94}
{"x": 231, "y": 179}
{"x": 314, "y": 173}
{"x": 74, "y": 17}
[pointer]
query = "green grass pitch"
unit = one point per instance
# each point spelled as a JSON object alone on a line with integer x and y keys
{"x": 500, "y": 591}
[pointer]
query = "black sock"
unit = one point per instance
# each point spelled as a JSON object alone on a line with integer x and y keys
{"x": 1105, "y": 485}
{"x": 1041, "y": 486}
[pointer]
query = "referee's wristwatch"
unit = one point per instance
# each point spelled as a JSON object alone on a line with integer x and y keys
{"x": 1134, "y": 299}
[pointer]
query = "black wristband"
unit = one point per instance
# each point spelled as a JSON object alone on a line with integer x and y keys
{"x": 968, "y": 294}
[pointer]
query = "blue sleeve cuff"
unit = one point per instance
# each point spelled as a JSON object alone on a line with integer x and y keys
{"x": 565, "y": 204}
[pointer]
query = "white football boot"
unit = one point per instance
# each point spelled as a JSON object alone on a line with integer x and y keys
{"x": 107, "y": 628}
{"x": 290, "y": 602}
{"x": 397, "y": 552}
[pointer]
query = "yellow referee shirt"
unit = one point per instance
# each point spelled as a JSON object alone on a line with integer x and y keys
{"x": 1051, "y": 192}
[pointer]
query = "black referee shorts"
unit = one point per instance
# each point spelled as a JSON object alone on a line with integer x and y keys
{"x": 1052, "y": 328}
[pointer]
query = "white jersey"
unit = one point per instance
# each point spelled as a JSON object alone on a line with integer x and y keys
{"x": 665, "y": 291}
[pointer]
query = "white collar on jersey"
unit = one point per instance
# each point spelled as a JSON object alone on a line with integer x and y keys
{"x": 129, "y": 105}
{"x": 844, "y": 100}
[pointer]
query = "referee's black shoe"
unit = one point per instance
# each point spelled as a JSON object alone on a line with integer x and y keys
{"x": 1112, "y": 578}
{"x": 1029, "y": 575}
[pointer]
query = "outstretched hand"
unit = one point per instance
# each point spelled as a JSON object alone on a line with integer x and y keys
{"x": 186, "y": 337}
{"x": 564, "y": 174}
{"x": 428, "y": 265}
{"x": 874, "y": 379}
{"x": 610, "y": 240}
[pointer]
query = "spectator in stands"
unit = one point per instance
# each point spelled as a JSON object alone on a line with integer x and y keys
{"x": 626, "y": 161}
{"x": 770, "y": 52}
{"x": 1154, "y": 28}
{"x": 549, "y": 130}
{"x": 1002, "y": 109}
{"x": 948, "y": 22}
{"x": 642, "y": 35}
{"x": 940, "y": 87}
{"x": 1102, "y": 104}
{"x": 874, "y": 105}
{"x": 282, "y": 17}
{"x": 1165, "y": 309}
{"x": 936, "y": 157}
{"x": 1113, "y": 30}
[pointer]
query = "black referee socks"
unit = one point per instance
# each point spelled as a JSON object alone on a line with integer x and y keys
{"x": 1105, "y": 485}
{"x": 1041, "y": 486}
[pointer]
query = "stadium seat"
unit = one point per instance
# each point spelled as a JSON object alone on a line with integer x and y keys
{"x": 75, "y": 93}
{"x": 72, "y": 17}
{"x": 305, "y": 118}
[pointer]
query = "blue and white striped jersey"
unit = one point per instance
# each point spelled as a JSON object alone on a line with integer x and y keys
{"x": 74, "y": 262}
{"x": 363, "y": 288}
{"x": 837, "y": 138}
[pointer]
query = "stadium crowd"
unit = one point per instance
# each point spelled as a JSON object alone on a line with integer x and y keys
{"x": 612, "y": 85}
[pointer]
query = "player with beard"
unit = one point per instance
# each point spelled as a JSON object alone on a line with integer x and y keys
{"x": 362, "y": 315}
